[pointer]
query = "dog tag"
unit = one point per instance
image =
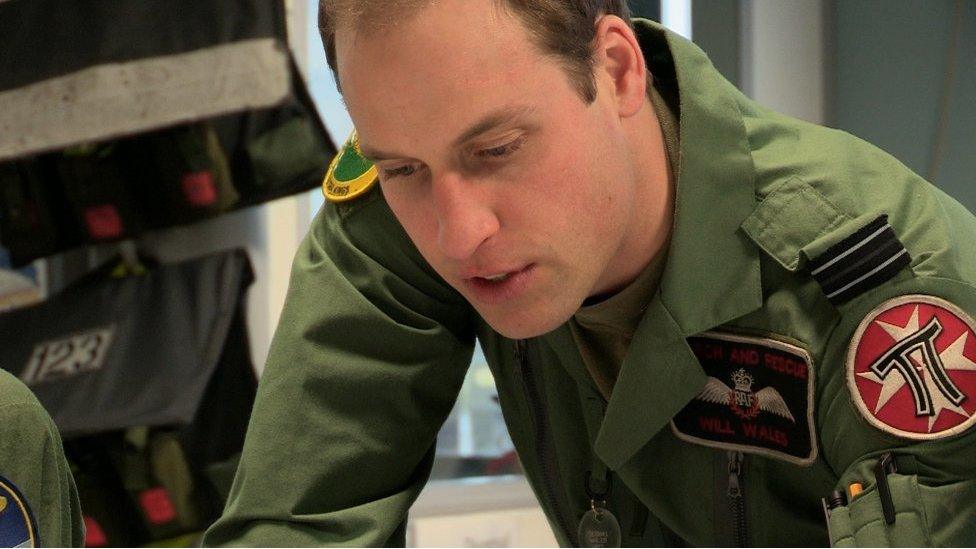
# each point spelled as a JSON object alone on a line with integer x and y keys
{"x": 599, "y": 528}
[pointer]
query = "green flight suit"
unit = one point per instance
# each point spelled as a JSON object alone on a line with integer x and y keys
{"x": 32, "y": 460}
{"x": 372, "y": 348}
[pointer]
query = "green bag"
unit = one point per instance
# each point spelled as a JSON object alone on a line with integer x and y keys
{"x": 288, "y": 153}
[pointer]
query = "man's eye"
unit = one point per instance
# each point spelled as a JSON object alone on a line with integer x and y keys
{"x": 402, "y": 171}
{"x": 504, "y": 150}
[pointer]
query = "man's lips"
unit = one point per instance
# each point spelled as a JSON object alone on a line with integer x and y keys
{"x": 493, "y": 288}
{"x": 491, "y": 273}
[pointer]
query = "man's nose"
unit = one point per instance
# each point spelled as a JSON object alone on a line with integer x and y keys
{"x": 464, "y": 216}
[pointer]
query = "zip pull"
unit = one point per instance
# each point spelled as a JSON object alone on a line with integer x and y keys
{"x": 737, "y": 500}
{"x": 735, "y": 470}
{"x": 519, "y": 350}
{"x": 735, "y": 491}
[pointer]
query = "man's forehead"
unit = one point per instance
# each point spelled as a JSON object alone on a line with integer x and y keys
{"x": 378, "y": 19}
{"x": 371, "y": 16}
{"x": 402, "y": 84}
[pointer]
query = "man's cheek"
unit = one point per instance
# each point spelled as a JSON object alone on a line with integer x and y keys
{"x": 409, "y": 212}
{"x": 422, "y": 228}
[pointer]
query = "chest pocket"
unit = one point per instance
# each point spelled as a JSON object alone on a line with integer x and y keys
{"x": 790, "y": 217}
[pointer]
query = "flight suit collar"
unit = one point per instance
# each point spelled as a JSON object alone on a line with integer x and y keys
{"x": 712, "y": 274}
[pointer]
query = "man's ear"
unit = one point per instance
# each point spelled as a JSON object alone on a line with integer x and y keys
{"x": 619, "y": 57}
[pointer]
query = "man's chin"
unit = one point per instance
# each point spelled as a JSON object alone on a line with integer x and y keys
{"x": 520, "y": 326}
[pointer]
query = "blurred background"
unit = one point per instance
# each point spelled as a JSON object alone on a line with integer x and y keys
{"x": 898, "y": 73}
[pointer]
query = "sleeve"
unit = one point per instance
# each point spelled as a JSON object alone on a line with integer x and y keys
{"x": 900, "y": 422}
{"x": 365, "y": 366}
{"x": 36, "y": 465}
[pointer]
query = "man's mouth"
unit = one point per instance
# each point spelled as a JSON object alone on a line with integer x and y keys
{"x": 497, "y": 277}
{"x": 497, "y": 288}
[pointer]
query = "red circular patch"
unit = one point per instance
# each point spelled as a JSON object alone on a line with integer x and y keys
{"x": 911, "y": 368}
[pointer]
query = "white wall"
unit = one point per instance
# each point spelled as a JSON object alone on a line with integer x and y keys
{"x": 783, "y": 61}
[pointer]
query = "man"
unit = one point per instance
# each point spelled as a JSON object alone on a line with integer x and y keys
{"x": 38, "y": 500}
{"x": 702, "y": 317}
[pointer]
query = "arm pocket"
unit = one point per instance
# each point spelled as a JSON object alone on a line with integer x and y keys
{"x": 862, "y": 523}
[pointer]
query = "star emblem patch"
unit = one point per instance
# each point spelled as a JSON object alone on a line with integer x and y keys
{"x": 911, "y": 368}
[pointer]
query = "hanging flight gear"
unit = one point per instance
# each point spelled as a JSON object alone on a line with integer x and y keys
{"x": 34, "y": 218}
{"x": 150, "y": 382}
{"x": 154, "y": 120}
{"x": 181, "y": 174}
{"x": 100, "y": 195}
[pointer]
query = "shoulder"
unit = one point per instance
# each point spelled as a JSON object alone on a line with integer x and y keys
{"x": 822, "y": 191}
{"x": 14, "y": 394}
{"x": 21, "y": 414}
{"x": 355, "y": 209}
{"x": 350, "y": 176}
{"x": 34, "y": 475}
{"x": 356, "y": 240}
{"x": 868, "y": 255}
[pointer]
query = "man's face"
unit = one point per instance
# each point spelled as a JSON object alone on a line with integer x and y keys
{"x": 517, "y": 192}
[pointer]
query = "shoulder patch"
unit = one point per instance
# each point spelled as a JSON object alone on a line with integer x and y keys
{"x": 758, "y": 398}
{"x": 17, "y": 525}
{"x": 350, "y": 175}
{"x": 911, "y": 368}
{"x": 860, "y": 262}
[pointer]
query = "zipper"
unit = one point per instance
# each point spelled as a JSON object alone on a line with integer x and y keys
{"x": 544, "y": 448}
{"x": 737, "y": 499}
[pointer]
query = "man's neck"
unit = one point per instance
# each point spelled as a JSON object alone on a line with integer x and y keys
{"x": 652, "y": 219}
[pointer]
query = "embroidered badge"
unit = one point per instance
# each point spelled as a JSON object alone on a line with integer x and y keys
{"x": 862, "y": 261}
{"x": 17, "y": 525}
{"x": 350, "y": 175}
{"x": 758, "y": 398}
{"x": 911, "y": 368}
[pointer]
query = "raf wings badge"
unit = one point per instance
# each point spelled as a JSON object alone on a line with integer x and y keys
{"x": 757, "y": 398}
{"x": 350, "y": 175}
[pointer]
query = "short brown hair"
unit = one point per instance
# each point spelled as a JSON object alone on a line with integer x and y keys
{"x": 564, "y": 29}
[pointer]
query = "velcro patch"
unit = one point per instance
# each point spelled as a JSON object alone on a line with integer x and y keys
{"x": 860, "y": 262}
{"x": 17, "y": 525}
{"x": 94, "y": 534}
{"x": 911, "y": 368}
{"x": 104, "y": 222}
{"x": 350, "y": 174}
{"x": 758, "y": 398}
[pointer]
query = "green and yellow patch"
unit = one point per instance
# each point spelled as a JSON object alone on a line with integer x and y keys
{"x": 350, "y": 175}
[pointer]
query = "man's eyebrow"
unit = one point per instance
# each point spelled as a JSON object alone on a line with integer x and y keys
{"x": 376, "y": 156}
{"x": 493, "y": 120}
{"x": 487, "y": 123}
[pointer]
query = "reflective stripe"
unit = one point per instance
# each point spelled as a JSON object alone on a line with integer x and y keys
{"x": 117, "y": 99}
{"x": 868, "y": 274}
{"x": 850, "y": 250}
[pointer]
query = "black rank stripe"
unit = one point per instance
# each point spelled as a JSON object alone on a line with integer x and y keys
{"x": 858, "y": 265}
{"x": 860, "y": 262}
